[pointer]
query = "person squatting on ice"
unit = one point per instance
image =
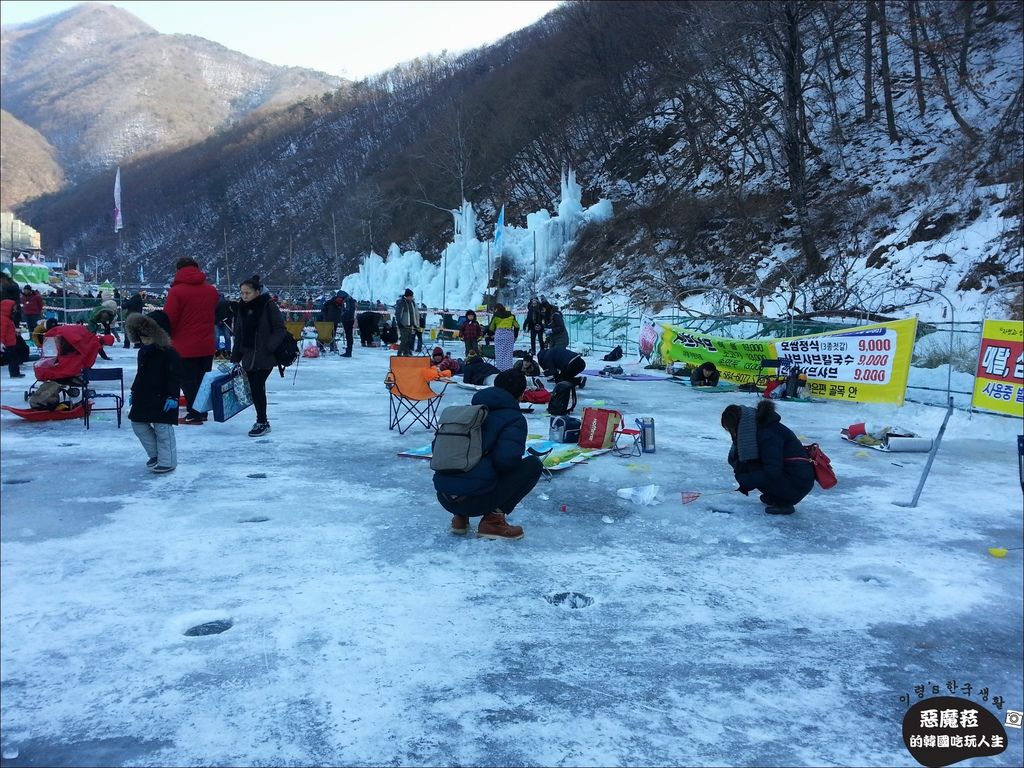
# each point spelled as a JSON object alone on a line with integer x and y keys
{"x": 154, "y": 394}
{"x": 564, "y": 365}
{"x": 503, "y": 477}
{"x": 705, "y": 375}
{"x": 258, "y": 330}
{"x": 766, "y": 456}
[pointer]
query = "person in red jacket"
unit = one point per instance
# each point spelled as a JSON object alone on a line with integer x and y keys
{"x": 9, "y": 338}
{"x": 31, "y": 306}
{"x": 192, "y": 308}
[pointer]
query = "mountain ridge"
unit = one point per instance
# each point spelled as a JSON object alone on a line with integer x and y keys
{"x": 102, "y": 86}
{"x": 661, "y": 107}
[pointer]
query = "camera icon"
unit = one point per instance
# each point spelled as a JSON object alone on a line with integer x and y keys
{"x": 1013, "y": 718}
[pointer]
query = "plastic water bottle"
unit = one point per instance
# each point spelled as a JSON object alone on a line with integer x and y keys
{"x": 646, "y": 426}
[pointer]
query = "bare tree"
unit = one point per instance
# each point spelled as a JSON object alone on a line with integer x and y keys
{"x": 869, "y": 61}
{"x": 931, "y": 54}
{"x": 966, "y": 9}
{"x": 914, "y": 18}
{"x": 883, "y": 38}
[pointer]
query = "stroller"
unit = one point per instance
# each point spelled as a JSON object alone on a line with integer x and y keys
{"x": 59, "y": 390}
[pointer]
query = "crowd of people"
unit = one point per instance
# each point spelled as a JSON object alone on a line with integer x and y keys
{"x": 178, "y": 343}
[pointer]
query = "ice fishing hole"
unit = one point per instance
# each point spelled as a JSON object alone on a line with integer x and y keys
{"x": 572, "y": 600}
{"x": 258, "y": 475}
{"x": 17, "y": 481}
{"x": 66, "y": 445}
{"x": 254, "y": 520}
{"x": 209, "y": 628}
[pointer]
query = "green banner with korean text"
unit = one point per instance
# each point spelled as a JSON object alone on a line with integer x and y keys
{"x": 868, "y": 364}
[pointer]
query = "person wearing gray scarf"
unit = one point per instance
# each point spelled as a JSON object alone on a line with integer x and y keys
{"x": 767, "y": 456}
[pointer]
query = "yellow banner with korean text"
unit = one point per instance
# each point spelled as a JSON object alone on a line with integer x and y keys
{"x": 867, "y": 364}
{"x": 999, "y": 378}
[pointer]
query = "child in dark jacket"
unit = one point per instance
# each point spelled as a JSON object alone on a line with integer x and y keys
{"x": 154, "y": 393}
{"x": 503, "y": 477}
{"x": 767, "y": 456}
{"x": 471, "y": 331}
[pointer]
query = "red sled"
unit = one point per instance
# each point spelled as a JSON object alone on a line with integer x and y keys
{"x": 42, "y": 414}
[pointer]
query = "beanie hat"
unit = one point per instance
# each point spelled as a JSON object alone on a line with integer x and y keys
{"x": 437, "y": 351}
{"x": 408, "y": 292}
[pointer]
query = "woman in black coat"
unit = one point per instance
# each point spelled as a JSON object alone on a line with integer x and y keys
{"x": 767, "y": 456}
{"x": 258, "y": 330}
{"x": 154, "y": 394}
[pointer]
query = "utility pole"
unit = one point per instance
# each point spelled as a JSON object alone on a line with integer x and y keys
{"x": 227, "y": 266}
{"x": 337, "y": 260}
{"x": 291, "y": 263}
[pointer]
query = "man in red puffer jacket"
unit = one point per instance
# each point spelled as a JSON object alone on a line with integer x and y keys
{"x": 192, "y": 308}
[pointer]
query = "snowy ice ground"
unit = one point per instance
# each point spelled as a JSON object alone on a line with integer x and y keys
{"x": 365, "y": 634}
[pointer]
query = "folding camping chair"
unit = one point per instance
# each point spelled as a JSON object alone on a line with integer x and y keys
{"x": 780, "y": 366}
{"x": 412, "y": 399}
{"x": 631, "y": 444}
{"x": 325, "y": 336}
{"x": 294, "y": 327}
{"x": 90, "y": 375}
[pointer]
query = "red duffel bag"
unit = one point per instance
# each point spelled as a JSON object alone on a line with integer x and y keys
{"x": 598, "y": 427}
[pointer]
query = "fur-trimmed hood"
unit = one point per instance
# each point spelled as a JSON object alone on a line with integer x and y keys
{"x": 154, "y": 325}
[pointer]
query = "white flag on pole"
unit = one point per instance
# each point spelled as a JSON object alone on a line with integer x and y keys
{"x": 118, "y": 223}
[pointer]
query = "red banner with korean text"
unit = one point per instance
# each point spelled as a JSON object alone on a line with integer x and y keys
{"x": 999, "y": 378}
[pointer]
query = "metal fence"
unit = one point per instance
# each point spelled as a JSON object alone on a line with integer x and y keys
{"x": 952, "y": 344}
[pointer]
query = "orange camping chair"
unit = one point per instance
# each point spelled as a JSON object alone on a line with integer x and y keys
{"x": 412, "y": 400}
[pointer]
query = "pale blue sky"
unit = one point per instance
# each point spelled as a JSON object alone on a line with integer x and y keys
{"x": 351, "y": 39}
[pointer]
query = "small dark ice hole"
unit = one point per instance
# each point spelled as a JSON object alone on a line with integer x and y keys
{"x": 254, "y": 520}
{"x": 570, "y": 600}
{"x": 17, "y": 481}
{"x": 209, "y": 628}
{"x": 258, "y": 475}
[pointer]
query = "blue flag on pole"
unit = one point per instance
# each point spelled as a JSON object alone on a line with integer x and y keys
{"x": 499, "y": 232}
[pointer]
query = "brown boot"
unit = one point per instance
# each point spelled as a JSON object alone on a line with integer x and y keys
{"x": 493, "y": 526}
{"x": 460, "y": 525}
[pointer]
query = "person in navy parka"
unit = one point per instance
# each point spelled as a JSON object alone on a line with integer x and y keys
{"x": 564, "y": 365}
{"x": 767, "y": 456}
{"x": 503, "y": 477}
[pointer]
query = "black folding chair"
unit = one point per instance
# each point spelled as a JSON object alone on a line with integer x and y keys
{"x": 90, "y": 375}
{"x": 780, "y": 366}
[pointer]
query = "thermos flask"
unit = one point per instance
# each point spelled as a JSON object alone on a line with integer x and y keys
{"x": 646, "y": 426}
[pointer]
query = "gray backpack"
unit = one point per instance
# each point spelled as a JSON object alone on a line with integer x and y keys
{"x": 458, "y": 444}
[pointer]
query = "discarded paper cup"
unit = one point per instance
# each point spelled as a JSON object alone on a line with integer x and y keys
{"x": 997, "y": 551}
